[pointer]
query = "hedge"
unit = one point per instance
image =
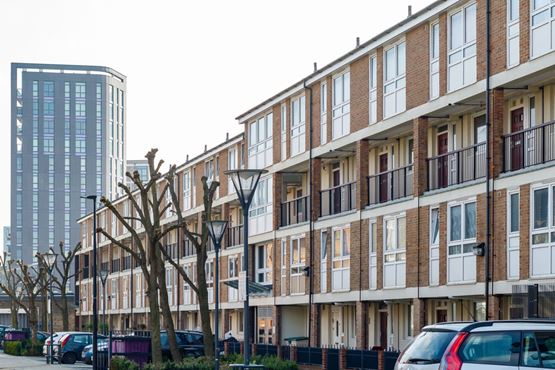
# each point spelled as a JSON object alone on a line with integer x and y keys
{"x": 203, "y": 363}
{"x": 22, "y": 348}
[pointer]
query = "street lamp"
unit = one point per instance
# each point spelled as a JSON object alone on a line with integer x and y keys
{"x": 95, "y": 277}
{"x": 103, "y": 276}
{"x": 216, "y": 229}
{"x": 50, "y": 260}
{"x": 245, "y": 182}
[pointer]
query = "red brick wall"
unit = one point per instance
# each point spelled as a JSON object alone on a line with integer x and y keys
{"x": 359, "y": 94}
{"x": 418, "y": 67}
{"x": 442, "y": 54}
{"x": 524, "y": 31}
{"x": 524, "y": 231}
{"x": 379, "y": 82}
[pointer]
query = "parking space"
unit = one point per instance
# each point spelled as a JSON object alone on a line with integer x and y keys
{"x": 8, "y": 362}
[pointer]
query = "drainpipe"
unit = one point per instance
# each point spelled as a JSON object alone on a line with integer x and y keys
{"x": 488, "y": 161}
{"x": 310, "y": 222}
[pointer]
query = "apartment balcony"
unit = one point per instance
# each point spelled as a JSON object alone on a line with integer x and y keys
{"x": 338, "y": 199}
{"x": 234, "y": 236}
{"x": 188, "y": 248}
{"x": 391, "y": 185}
{"x": 529, "y": 147}
{"x": 457, "y": 167}
{"x": 294, "y": 211}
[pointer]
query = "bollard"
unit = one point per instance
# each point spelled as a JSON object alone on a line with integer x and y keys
{"x": 381, "y": 362}
{"x": 342, "y": 358}
{"x": 325, "y": 358}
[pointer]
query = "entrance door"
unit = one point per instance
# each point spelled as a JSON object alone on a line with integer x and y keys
{"x": 383, "y": 178}
{"x": 383, "y": 329}
{"x": 517, "y": 141}
{"x": 337, "y": 325}
{"x": 336, "y": 182}
{"x": 442, "y": 162}
{"x": 441, "y": 316}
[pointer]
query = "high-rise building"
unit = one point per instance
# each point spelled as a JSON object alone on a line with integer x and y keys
{"x": 68, "y": 141}
{"x": 140, "y": 165}
{"x": 7, "y": 240}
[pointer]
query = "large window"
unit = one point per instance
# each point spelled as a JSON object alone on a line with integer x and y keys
{"x": 260, "y": 142}
{"x": 395, "y": 245}
{"x": 283, "y": 264}
{"x": 341, "y": 104}
{"x": 260, "y": 212}
{"x": 542, "y": 27}
{"x": 232, "y": 274}
{"x": 513, "y": 33}
{"x": 434, "y": 60}
{"x": 231, "y": 165}
{"x": 186, "y": 190}
{"x": 373, "y": 84}
{"x": 394, "y": 87}
{"x": 513, "y": 235}
{"x": 543, "y": 231}
{"x": 323, "y": 113}
{"x": 373, "y": 261}
{"x": 341, "y": 262}
{"x": 461, "y": 58}
{"x": 461, "y": 261}
{"x": 283, "y": 131}
{"x": 298, "y": 119}
{"x": 323, "y": 261}
{"x": 298, "y": 262}
{"x": 264, "y": 256}
{"x": 434, "y": 246}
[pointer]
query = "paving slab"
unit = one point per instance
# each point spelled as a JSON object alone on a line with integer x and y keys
{"x": 8, "y": 362}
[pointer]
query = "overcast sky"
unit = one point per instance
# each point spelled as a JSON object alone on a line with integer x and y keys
{"x": 191, "y": 66}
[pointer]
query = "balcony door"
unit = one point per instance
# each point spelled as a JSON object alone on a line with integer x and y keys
{"x": 383, "y": 178}
{"x": 336, "y": 182}
{"x": 442, "y": 163}
{"x": 517, "y": 145}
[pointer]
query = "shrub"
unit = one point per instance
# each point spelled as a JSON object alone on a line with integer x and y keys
{"x": 121, "y": 363}
{"x": 274, "y": 363}
{"x": 22, "y": 348}
{"x": 13, "y": 348}
{"x": 201, "y": 363}
{"x": 30, "y": 349}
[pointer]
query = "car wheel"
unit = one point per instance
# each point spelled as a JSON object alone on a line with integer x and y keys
{"x": 69, "y": 358}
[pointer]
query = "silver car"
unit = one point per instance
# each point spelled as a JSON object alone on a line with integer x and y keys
{"x": 487, "y": 345}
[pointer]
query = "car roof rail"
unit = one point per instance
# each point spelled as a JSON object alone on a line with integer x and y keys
{"x": 481, "y": 324}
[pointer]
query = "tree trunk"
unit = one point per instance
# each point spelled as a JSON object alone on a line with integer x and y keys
{"x": 13, "y": 310}
{"x": 168, "y": 319}
{"x": 33, "y": 322}
{"x": 154, "y": 319}
{"x": 44, "y": 311}
{"x": 65, "y": 311}
{"x": 204, "y": 308}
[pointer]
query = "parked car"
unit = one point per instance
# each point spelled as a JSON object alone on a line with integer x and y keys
{"x": 70, "y": 347}
{"x": 86, "y": 355}
{"x": 495, "y": 345}
{"x": 2, "y": 331}
{"x": 57, "y": 337}
{"x": 190, "y": 343}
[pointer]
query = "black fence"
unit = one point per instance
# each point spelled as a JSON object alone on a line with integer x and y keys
{"x": 457, "y": 167}
{"x": 333, "y": 359}
{"x": 309, "y": 356}
{"x": 390, "y": 185}
{"x": 359, "y": 359}
{"x": 294, "y": 211}
{"x": 338, "y": 199}
{"x": 530, "y": 147}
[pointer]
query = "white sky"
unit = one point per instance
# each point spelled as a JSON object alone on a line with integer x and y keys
{"x": 191, "y": 66}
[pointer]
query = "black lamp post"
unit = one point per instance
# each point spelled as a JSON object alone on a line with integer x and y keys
{"x": 103, "y": 277}
{"x": 216, "y": 229}
{"x": 245, "y": 182}
{"x": 50, "y": 260}
{"x": 95, "y": 277}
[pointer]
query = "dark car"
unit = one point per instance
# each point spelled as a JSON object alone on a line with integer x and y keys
{"x": 70, "y": 347}
{"x": 2, "y": 331}
{"x": 189, "y": 342}
{"x": 86, "y": 355}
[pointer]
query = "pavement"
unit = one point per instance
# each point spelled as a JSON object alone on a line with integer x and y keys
{"x": 8, "y": 362}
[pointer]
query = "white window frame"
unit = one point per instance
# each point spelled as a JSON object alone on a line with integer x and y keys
{"x": 434, "y": 60}
{"x": 513, "y": 239}
{"x": 260, "y": 147}
{"x": 169, "y": 285}
{"x": 233, "y": 265}
{"x": 395, "y": 87}
{"x": 187, "y": 203}
{"x": 548, "y": 22}
{"x": 373, "y": 89}
{"x": 283, "y": 111}
{"x": 186, "y": 287}
{"x": 394, "y": 259}
{"x": 283, "y": 264}
{"x": 260, "y": 212}
{"x": 265, "y": 270}
{"x": 139, "y": 296}
{"x": 323, "y": 112}
{"x": 209, "y": 272}
{"x": 298, "y": 125}
{"x": 114, "y": 294}
{"x": 341, "y": 263}
{"x": 341, "y": 104}
{"x": 513, "y": 35}
{"x": 434, "y": 248}
{"x": 231, "y": 165}
{"x": 463, "y": 259}
{"x": 373, "y": 254}
{"x": 467, "y": 46}
{"x": 323, "y": 261}
{"x": 542, "y": 249}
{"x": 297, "y": 278}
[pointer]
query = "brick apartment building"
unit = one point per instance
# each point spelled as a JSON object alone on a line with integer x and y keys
{"x": 377, "y": 167}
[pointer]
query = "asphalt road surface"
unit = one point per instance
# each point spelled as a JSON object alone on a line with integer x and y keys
{"x": 8, "y": 362}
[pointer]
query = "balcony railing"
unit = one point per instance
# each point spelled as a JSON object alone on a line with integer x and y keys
{"x": 390, "y": 185}
{"x": 457, "y": 167}
{"x": 338, "y": 199}
{"x": 235, "y": 236}
{"x": 525, "y": 148}
{"x": 188, "y": 248}
{"x": 294, "y": 211}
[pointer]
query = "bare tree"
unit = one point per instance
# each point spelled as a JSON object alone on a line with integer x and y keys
{"x": 200, "y": 242}
{"x": 147, "y": 205}
{"x": 31, "y": 279}
{"x": 13, "y": 284}
{"x": 61, "y": 277}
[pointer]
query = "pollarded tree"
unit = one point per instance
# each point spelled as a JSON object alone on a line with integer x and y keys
{"x": 61, "y": 277}
{"x": 147, "y": 204}
{"x": 200, "y": 243}
{"x": 13, "y": 284}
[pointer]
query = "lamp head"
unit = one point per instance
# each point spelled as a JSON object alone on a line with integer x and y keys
{"x": 245, "y": 182}
{"x": 216, "y": 229}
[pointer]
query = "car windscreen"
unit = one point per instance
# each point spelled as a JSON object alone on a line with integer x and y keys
{"x": 428, "y": 347}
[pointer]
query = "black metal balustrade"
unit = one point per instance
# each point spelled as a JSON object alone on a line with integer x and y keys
{"x": 390, "y": 185}
{"x": 338, "y": 199}
{"x": 294, "y": 211}
{"x": 457, "y": 167}
{"x": 234, "y": 236}
{"x": 529, "y": 147}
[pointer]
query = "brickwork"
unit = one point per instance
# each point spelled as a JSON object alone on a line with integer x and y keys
{"x": 379, "y": 83}
{"x": 496, "y": 131}
{"x": 359, "y": 94}
{"x": 442, "y": 54}
{"x": 494, "y": 308}
{"x": 315, "y": 185}
{"x": 316, "y": 116}
{"x": 424, "y": 235}
{"x": 480, "y": 233}
{"x": 277, "y": 195}
{"x": 420, "y": 132}
{"x": 525, "y": 236}
{"x": 355, "y": 256}
{"x": 364, "y": 254}
{"x": 329, "y": 105}
{"x": 524, "y": 31}
{"x": 315, "y": 325}
{"x": 276, "y": 133}
{"x": 418, "y": 74}
{"x": 362, "y": 159}
{"x": 379, "y": 252}
{"x": 412, "y": 248}
{"x": 420, "y": 314}
{"x": 316, "y": 266}
{"x": 498, "y": 38}
{"x": 362, "y": 325}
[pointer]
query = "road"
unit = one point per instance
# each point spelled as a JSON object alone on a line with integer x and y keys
{"x": 8, "y": 362}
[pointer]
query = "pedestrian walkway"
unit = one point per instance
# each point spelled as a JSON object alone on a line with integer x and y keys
{"x": 8, "y": 362}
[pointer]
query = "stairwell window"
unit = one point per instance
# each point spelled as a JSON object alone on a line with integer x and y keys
{"x": 264, "y": 257}
{"x": 260, "y": 142}
{"x": 341, "y": 104}
{"x": 461, "y": 58}
{"x": 461, "y": 231}
{"x": 341, "y": 263}
{"x": 298, "y": 127}
{"x": 186, "y": 190}
{"x": 542, "y": 24}
{"x": 513, "y": 33}
{"x": 373, "y": 68}
{"x": 260, "y": 212}
{"x": 323, "y": 113}
{"x": 395, "y": 256}
{"x": 434, "y": 60}
{"x": 543, "y": 231}
{"x": 298, "y": 262}
{"x": 394, "y": 80}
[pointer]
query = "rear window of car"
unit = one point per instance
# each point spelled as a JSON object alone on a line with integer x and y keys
{"x": 538, "y": 349}
{"x": 428, "y": 347}
{"x": 498, "y": 348}
{"x": 80, "y": 339}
